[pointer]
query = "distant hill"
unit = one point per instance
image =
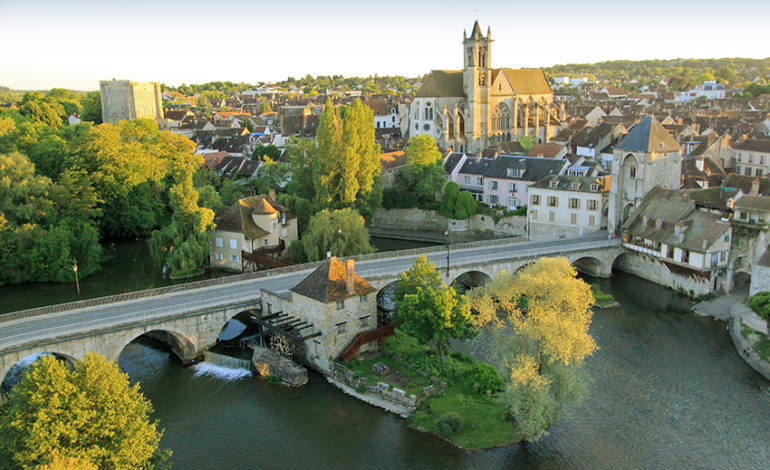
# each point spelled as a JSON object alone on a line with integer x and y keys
{"x": 678, "y": 73}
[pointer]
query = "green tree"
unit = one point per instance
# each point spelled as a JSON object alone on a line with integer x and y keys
{"x": 432, "y": 314}
{"x": 183, "y": 245}
{"x": 527, "y": 142}
{"x": 42, "y": 109}
{"x": 422, "y": 150}
{"x": 270, "y": 151}
{"x": 422, "y": 274}
{"x": 340, "y": 232}
{"x": 209, "y": 198}
{"x": 540, "y": 316}
{"x": 91, "y": 107}
{"x": 88, "y": 412}
{"x": 456, "y": 204}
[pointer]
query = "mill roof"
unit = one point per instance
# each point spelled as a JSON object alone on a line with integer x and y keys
{"x": 327, "y": 283}
{"x": 648, "y": 136}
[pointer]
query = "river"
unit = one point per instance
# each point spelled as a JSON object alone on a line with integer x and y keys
{"x": 669, "y": 391}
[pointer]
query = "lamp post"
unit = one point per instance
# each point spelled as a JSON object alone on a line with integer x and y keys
{"x": 75, "y": 270}
{"x": 446, "y": 236}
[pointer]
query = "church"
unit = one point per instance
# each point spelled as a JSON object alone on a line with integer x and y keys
{"x": 478, "y": 106}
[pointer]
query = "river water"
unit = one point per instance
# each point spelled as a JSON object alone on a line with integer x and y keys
{"x": 669, "y": 391}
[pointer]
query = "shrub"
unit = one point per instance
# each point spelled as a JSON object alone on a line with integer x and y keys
{"x": 449, "y": 423}
{"x": 760, "y": 303}
{"x": 484, "y": 378}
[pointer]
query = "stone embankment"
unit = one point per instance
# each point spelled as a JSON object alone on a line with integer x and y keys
{"x": 741, "y": 314}
{"x": 392, "y": 399}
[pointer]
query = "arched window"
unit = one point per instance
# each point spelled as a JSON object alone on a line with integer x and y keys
{"x": 501, "y": 118}
{"x": 632, "y": 171}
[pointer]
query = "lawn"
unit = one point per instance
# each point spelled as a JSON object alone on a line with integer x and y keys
{"x": 762, "y": 345}
{"x": 484, "y": 418}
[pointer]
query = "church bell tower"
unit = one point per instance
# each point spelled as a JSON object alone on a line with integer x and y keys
{"x": 477, "y": 51}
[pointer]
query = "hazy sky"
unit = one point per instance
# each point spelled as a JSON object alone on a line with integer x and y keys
{"x": 75, "y": 43}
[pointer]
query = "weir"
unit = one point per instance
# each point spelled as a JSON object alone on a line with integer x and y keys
{"x": 228, "y": 362}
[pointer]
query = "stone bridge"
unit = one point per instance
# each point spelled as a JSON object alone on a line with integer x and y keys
{"x": 190, "y": 317}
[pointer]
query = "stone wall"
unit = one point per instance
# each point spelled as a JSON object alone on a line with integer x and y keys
{"x": 650, "y": 268}
{"x": 380, "y": 390}
{"x": 432, "y": 221}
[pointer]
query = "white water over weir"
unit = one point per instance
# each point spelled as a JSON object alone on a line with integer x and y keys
{"x": 227, "y": 362}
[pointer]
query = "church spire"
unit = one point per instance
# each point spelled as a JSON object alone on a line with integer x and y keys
{"x": 476, "y": 33}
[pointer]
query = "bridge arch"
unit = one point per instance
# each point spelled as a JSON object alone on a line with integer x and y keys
{"x": 182, "y": 346}
{"x": 470, "y": 279}
{"x": 15, "y": 373}
{"x": 591, "y": 266}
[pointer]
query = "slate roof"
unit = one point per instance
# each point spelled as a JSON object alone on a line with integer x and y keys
{"x": 565, "y": 182}
{"x": 753, "y": 203}
{"x": 714, "y": 197}
{"x": 674, "y": 207}
{"x": 590, "y": 137}
{"x": 327, "y": 283}
{"x": 648, "y": 136}
{"x": 744, "y": 182}
{"x": 754, "y": 145}
{"x": 451, "y": 161}
{"x": 442, "y": 84}
{"x": 534, "y": 169}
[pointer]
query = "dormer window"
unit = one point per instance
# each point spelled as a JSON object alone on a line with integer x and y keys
{"x": 575, "y": 186}
{"x": 645, "y": 220}
{"x": 554, "y": 184}
{"x": 594, "y": 187}
{"x": 677, "y": 230}
{"x": 658, "y": 223}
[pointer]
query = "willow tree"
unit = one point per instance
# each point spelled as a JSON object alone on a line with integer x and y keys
{"x": 183, "y": 244}
{"x": 340, "y": 232}
{"x": 540, "y": 316}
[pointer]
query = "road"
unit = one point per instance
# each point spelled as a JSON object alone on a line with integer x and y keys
{"x": 29, "y": 330}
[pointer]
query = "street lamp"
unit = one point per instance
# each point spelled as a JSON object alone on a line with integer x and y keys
{"x": 75, "y": 270}
{"x": 446, "y": 236}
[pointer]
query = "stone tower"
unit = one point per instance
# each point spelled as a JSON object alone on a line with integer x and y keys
{"x": 477, "y": 53}
{"x": 124, "y": 99}
{"x": 647, "y": 157}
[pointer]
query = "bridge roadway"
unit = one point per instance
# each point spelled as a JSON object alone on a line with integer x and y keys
{"x": 24, "y": 332}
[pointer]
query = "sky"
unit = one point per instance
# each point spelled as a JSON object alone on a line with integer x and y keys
{"x": 75, "y": 43}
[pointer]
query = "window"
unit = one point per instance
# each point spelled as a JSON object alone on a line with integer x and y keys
{"x": 594, "y": 187}
{"x": 685, "y": 256}
{"x": 493, "y": 185}
{"x": 426, "y": 127}
{"x": 341, "y": 327}
{"x": 670, "y": 252}
{"x": 362, "y": 298}
{"x": 575, "y": 186}
{"x": 265, "y": 241}
{"x": 593, "y": 205}
{"x": 340, "y": 304}
{"x": 722, "y": 256}
{"x": 234, "y": 258}
{"x": 535, "y": 199}
{"x": 417, "y": 126}
{"x": 554, "y": 184}
{"x": 219, "y": 242}
{"x": 747, "y": 171}
{"x": 751, "y": 158}
{"x": 553, "y": 201}
{"x": 737, "y": 170}
{"x": 714, "y": 259}
{"x": 364, "y": 321}
{"x": 467, "y": 179}
{"x": 574, "y": 203}
{"x": 632, "y": 172}
{"x": 284, "y": 232}
{"x": 759, "y": 172}
{"x": 493, "y": 199}
{"x": 274, "y": 225}
{"x": 513, "y": 202}
{"x": 740, "y": 157}
{"x": 573, "y": 219}
{"x": 220, "y": 256}
{"x": 534, "y": 215}
{"x": 512, "y": 187}
{"x": 269, "y": 309}
{"x": 551, "y": 216}
{"x": 592, "y": 220}
{"x": 233, "y": 244}
{"x": 761, "y": 159}
{"x": 480, "y": 181}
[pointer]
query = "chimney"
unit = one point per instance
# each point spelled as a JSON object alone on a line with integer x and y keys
{"x": 350, "y": 282}
{"x": 754, "y": 188}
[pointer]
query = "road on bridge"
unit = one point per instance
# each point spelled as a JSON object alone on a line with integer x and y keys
{"x": 27, "y": 331}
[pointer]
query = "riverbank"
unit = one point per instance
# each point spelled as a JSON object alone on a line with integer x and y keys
{"x": 748, "y": 331}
